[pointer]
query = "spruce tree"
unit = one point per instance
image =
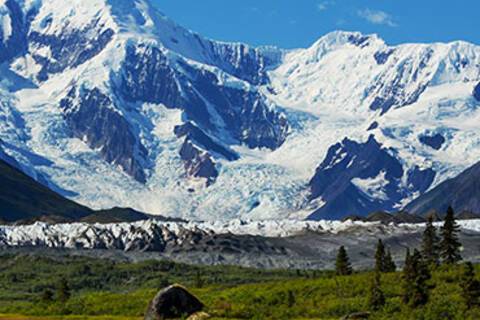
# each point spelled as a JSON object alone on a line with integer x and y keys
{"x": 430, "y": 244}
{"x": 389, "y": 264}
{"x": 199, "y": 282}
{"x": 417, "y": 289}
{"x": 63, "y": 291}
{"x": 291, "y": 300}
{"x": 450, "y": 245}
{"x": 380, "y": 257}
{"x": 342, "y": 265}
{"x": 47, "y": 296}
{"x": 376, "y": 298}
{"x": 408, "y": 278}
{"x": 470, "y": 286}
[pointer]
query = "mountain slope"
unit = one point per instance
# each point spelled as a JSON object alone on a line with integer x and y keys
{"x": 110, "y": 103}
{"x": 24, "y": 198}
{"x": 415, "y": 100}
{"x": 461, "y": 192}
{"x": 360, "y": 178}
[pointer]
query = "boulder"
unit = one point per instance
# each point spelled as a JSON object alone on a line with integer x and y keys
{"x": 173, "y": 302}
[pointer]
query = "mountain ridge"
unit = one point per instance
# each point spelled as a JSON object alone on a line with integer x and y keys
{"x": 258, "y": 122}
{"x": 461, "y": 193}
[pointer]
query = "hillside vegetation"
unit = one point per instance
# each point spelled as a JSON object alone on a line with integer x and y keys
{"x": 105, "y": 289}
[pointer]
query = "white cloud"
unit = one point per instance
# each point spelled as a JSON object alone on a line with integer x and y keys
{"x": 324, "y": 5}
{"x": 377, "y": 17}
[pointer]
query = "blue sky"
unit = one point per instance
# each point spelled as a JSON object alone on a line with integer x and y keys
{"x": 298, "y": 23}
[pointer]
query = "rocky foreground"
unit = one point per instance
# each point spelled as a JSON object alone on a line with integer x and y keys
{"x": 268, "y": 244}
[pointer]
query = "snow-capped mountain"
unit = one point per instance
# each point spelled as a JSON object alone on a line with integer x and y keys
{"x": 112, "y": 104}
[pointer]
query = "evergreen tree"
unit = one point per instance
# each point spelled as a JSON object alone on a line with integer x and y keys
{"x": 376, "y": 299}
{"x": 63, "y": 291}
{"x": 430, "y": 244}
{"x": 408, "y": 278}
{"x": 342, "y": 265}
{"x": 47, "y": 296}
{"x": 199, "y": 282}
{"x": 291, "y": 300}
{"x": 416, "y": 275}
{"x": 470, "y": 286}
{"x": 380, "y": 257}
{"x": 450, "y": 245}
{"x": 389, "y": 264}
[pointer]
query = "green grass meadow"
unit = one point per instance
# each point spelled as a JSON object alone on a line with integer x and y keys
{"x": 104, "y": 289}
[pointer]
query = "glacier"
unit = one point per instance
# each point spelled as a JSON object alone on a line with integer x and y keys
{"x": 125, "y": 236}
{"x": 111, "y": 103}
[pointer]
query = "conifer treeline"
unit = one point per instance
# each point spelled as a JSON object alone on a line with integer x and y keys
{"x": 435, "y": 250}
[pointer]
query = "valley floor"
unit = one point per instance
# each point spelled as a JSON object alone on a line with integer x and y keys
{"x": 105, "y": 289}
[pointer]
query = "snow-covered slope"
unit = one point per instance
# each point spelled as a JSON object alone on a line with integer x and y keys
{"x": 403, "y": 118}
{"x": 113, "y": 104}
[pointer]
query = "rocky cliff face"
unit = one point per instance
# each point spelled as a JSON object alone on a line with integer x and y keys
{"x": 91, "y": 116}
{"x": 362, "y": 177}
{"x": 149, "y": 76}
{"x": 198, "y": 163}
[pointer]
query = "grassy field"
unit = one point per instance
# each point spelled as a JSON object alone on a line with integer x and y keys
{"x": 19, "y": 317}
{"x": 103, "y": 289}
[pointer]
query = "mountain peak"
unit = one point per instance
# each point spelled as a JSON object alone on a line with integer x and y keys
{"x": 340, "y": 38}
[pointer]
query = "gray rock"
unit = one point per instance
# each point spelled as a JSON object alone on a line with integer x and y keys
{"x": 173, "y": 302}
{"x": 198, "y": 163}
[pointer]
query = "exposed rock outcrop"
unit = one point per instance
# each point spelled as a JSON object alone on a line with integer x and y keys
{"x": 435, "y": 141}
{"x": 149, "y": 75}
{"x": 198, "y": 163}
{"x": 359, "y": 178}
{"x": 391, "y": 93}
{"x": 194, "y": 134}
{"x": 91, "y": 117}
{"x": 71, "y": 49}
{"x": 382, "y": 56}
{"x": 476, "y": 92}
